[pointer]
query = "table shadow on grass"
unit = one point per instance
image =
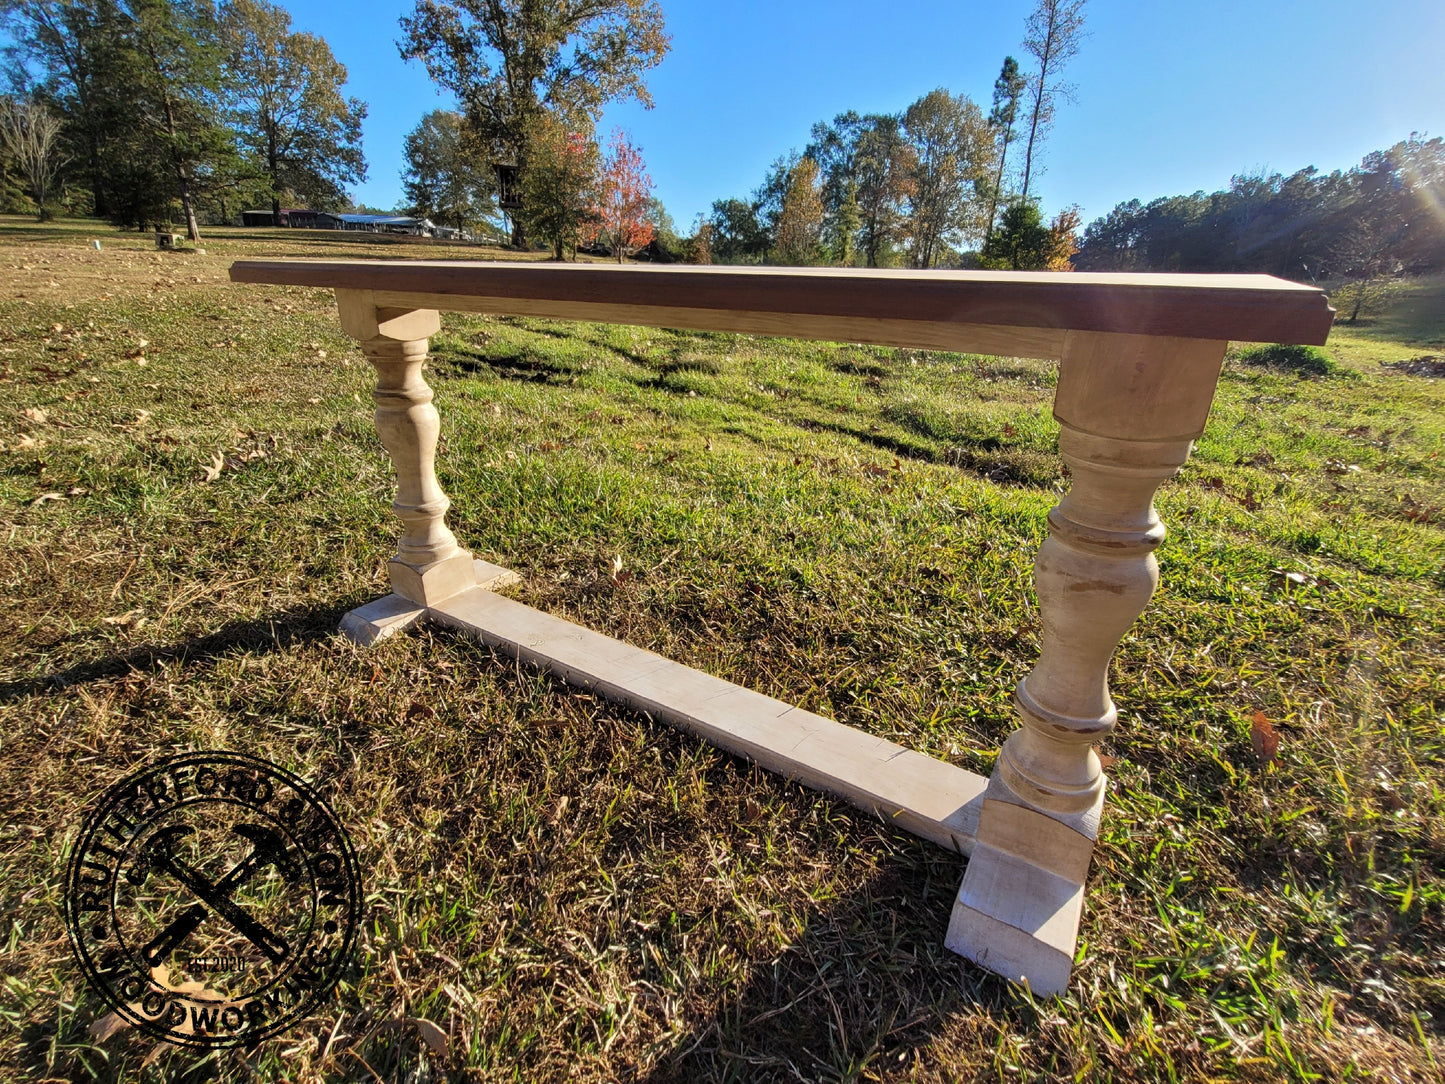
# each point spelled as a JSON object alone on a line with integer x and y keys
{"x": 270, "y": 633}
{"x": 868, "y": 987}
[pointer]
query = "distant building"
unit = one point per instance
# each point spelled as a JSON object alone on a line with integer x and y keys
{"x": 415, "y": 227}
{"x": 300, "y": 219}
{"x": 296, "y": 218}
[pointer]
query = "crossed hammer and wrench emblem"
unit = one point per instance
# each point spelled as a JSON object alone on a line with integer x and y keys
{"x": 159, "y": 854}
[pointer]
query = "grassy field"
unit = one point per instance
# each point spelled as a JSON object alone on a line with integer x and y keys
{"x": 569, "y": 891}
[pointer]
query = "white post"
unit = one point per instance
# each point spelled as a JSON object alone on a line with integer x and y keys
{"x": 1130, "y": 408}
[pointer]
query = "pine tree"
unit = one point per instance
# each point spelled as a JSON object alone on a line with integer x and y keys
{"x": 1008, "y": 88}
{"x": 1052, "y": 37}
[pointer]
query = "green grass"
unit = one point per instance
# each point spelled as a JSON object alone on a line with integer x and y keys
{"x": 573, "y": 892}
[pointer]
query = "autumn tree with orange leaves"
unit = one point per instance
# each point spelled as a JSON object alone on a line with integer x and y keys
{"x": 620, "y": 219}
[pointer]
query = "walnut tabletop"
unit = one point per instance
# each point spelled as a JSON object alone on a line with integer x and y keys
{"x": 1247, "y": 308}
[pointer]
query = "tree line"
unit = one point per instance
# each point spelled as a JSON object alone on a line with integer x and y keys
{"x": 156, "y": 105}
{"x": 1382, "y": 218}
{"x": 139, "y": 109}
{"x": 925, "y": 187}
{"x": 929, "y": 186}
{"x": 134, "y": 109}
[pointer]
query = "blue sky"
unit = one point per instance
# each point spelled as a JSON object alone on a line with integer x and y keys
{"x": 1171, "y": 96}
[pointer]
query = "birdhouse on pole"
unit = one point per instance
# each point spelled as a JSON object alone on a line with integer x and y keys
{"x": 509, "y": 192}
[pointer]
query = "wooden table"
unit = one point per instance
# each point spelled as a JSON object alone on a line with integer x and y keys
{"x": 1139, "y": 357}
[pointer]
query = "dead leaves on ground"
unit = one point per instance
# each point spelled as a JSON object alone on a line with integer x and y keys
{"x": 261, "y": 446}
{"x": 56, "y": 495}
{"x": 1264, "y": 737}
{"x": 1428, "y": 365}
{"x": 434, "y": 1037}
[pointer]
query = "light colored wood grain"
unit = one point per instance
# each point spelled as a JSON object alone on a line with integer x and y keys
{"x": 429, "y": 565}
{"x": 1017, "y": 920}
{"x": 1022, "y": 342}
{"x": 378, "y": 620}
{"x": 1139, "y": 359}
{"x": 492, "y": 577}
{"x": 1137, "y": 387}
{"x": 914, "y": 792}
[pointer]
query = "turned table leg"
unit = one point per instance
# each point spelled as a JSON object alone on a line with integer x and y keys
{"x": 1130, "y": 408}
{"x": 429, "y": 566}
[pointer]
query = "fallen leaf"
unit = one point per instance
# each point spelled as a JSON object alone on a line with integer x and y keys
{"x": 417, "y": 710}
{"x": 432, "y": 1035}
{"x": 1298, "y": 579}
{"x": 218, "y": 463}
{"x": 1264, "y": 737}
{"x": 107, "y": 1025}
{"x": 35, "y": 414}
{"x": 127, "y": 619}
{"x": 48, "y": 497}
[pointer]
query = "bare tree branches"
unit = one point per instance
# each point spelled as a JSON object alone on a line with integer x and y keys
{"x": 31, "y": 135}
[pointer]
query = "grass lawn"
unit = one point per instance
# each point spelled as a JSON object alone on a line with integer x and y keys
{"x": 569, "y": 891}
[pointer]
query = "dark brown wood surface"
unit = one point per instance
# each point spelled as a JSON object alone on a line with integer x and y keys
{"x": 1244, "y": 308}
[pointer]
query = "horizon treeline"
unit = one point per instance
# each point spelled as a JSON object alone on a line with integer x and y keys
{"x": 1382, "y": 218}
{"x": 919, "y": 188}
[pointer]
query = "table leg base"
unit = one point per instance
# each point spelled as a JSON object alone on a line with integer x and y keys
{"x": 385, "y": 617}
{"x": 374, "y": 622}
{"x": 1017, "y": 912}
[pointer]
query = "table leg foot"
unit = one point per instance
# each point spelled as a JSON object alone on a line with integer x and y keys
{"x": 492, "y": 577}
{"x": 374, "y": 622}
{"x": 369, "y": 624}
